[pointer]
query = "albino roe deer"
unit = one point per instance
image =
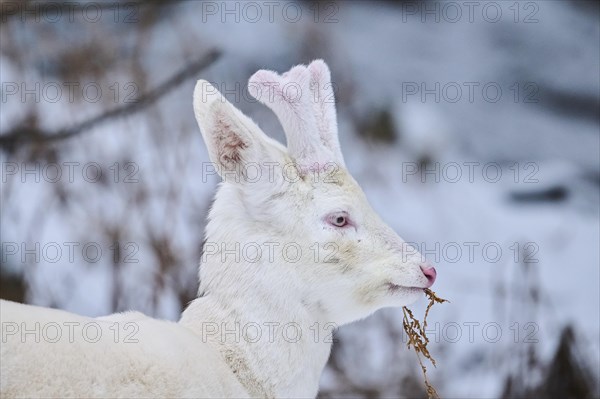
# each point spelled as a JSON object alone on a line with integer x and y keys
{"x": 292, "y": 250}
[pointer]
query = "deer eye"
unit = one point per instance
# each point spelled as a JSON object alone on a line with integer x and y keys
{"x": 339, "y": 219}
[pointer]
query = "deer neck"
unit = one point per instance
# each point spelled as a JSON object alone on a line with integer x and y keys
{"x": 272, "y": 352}
{"x": 274, "y": 339}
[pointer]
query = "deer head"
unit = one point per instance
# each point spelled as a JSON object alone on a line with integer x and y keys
{"x": 299, "y": 220}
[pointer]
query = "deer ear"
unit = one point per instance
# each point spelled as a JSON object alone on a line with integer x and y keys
{"x": 233, "y": 139}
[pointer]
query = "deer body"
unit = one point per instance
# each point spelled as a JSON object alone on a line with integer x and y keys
{"x": 162, "y": 359}
{"x": 292, "y": 251}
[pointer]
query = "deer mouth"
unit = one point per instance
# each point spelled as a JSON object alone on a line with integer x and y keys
{"x": 393, "y": 288}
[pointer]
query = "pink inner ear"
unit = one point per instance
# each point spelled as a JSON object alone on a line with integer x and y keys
{"x": 229, "y": 144}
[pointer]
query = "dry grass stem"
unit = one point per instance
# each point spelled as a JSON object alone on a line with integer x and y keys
{"x": 418, "y": 339}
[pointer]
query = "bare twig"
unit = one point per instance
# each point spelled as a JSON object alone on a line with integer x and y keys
{"x": 24, "y": 134}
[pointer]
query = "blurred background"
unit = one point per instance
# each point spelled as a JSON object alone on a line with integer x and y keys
{"x": 473, "y": 128}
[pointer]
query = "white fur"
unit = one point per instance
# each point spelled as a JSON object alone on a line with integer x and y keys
{"x": 349, "y": 277}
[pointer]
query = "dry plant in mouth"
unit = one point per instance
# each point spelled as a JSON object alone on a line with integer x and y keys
{"x": 418, "y": 339}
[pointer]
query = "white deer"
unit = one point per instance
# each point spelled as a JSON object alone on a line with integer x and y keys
{"x": 292, "y": 250}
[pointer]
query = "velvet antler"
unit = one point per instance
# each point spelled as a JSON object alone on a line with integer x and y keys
{"x": 303, "y": 100}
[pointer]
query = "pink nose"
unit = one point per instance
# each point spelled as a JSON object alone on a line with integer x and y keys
{"x": 430, "y": 273}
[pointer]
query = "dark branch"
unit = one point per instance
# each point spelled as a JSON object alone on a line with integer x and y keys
{"x": 23, "y": 134}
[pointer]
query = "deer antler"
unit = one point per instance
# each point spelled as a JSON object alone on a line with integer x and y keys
{"x": 302, "y": 99}
{"x": 324, "y": 107}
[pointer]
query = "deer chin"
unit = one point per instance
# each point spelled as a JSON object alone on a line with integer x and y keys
{"x": 395, "y": 295}
{"x": 396, "y": 289}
